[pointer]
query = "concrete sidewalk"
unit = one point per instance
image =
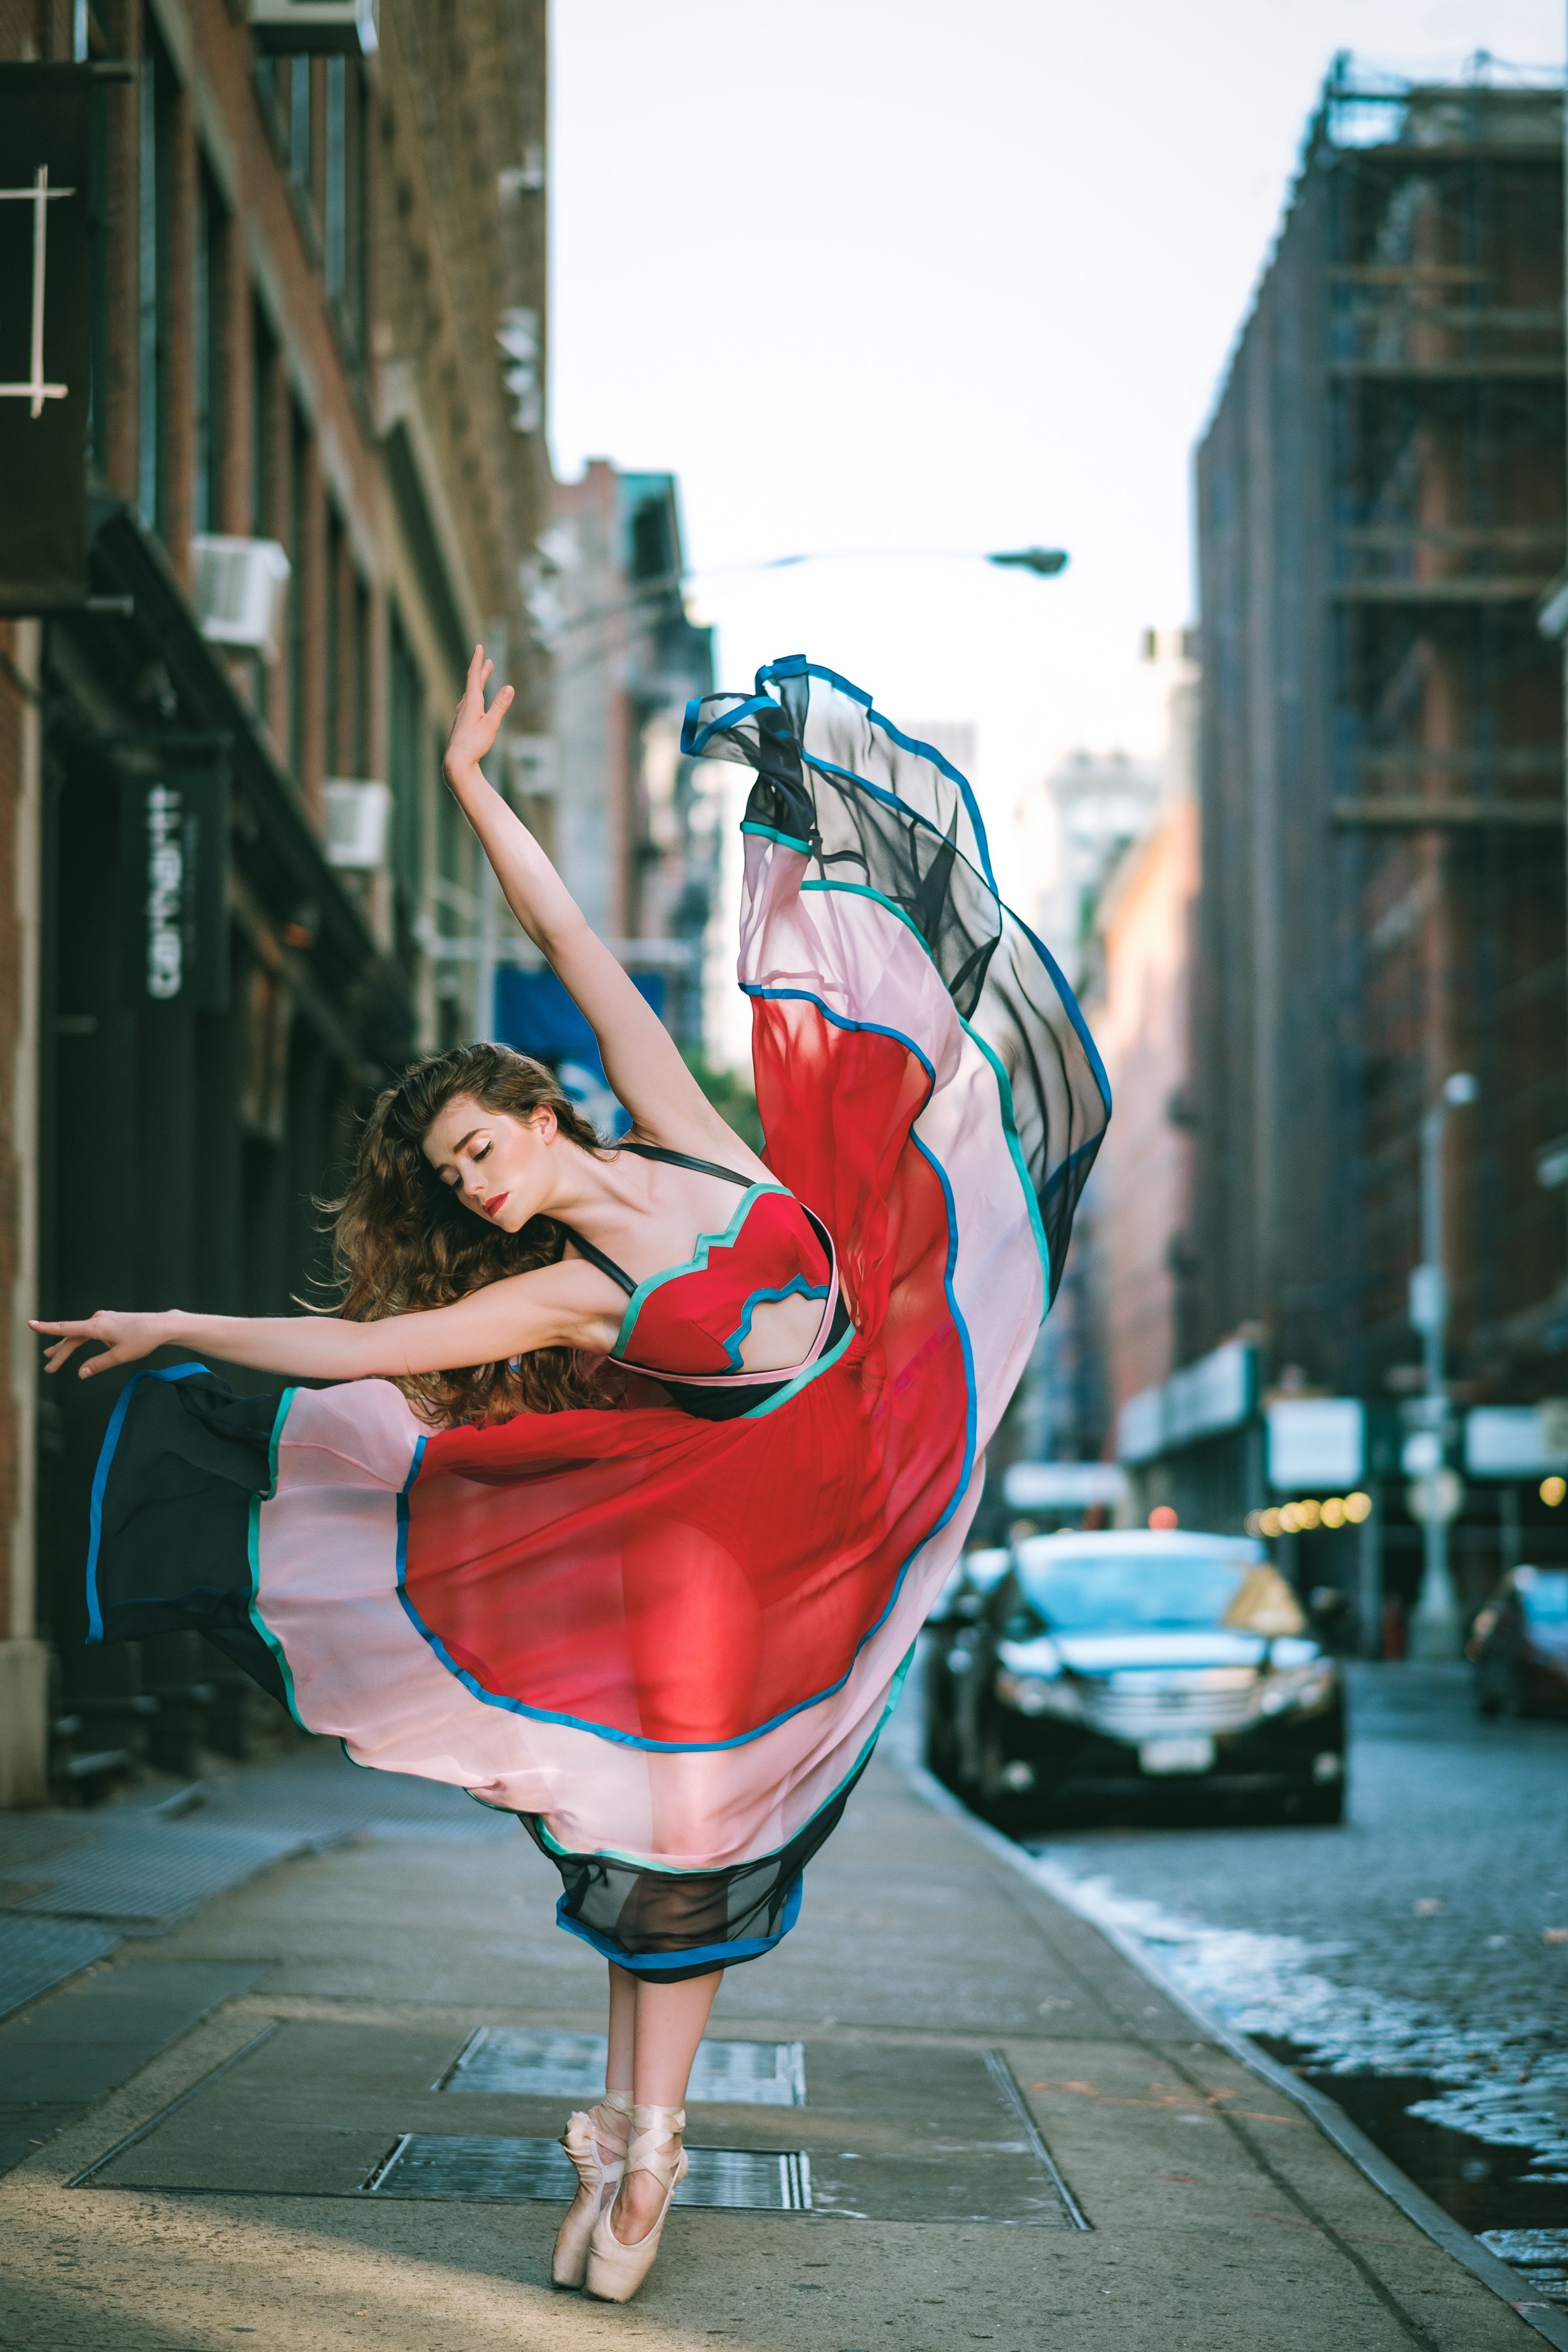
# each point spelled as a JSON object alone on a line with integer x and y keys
{"x": 1045, "y": 2151}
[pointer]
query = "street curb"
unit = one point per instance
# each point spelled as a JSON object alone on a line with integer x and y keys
{"x": 1547, "y": 2319}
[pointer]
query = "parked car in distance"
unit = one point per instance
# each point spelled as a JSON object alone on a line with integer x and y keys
{"x": 1131, "y": 1668}
{"x": 1518, "y": 1644}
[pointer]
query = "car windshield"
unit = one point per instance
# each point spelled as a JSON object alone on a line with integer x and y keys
{"x": 1545, "y": 1596}
{"x": 1117, "y": 1593}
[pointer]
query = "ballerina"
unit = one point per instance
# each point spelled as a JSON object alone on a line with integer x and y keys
{"x": 641, "y": 1464}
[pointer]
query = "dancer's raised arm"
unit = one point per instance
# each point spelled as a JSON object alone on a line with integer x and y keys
{"x": 642, "y": 1060}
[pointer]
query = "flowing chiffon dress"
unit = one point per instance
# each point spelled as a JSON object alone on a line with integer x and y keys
{"x": 665, "y": 1635}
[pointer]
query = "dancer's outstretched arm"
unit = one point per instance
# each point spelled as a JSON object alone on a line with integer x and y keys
{"x": 642, "y": 1060}
{"x": 552, "y": 1307}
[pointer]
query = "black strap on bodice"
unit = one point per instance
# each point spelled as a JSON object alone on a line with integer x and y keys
{"x": 684, "y": 1159}
{"x": 618, "y": 1274}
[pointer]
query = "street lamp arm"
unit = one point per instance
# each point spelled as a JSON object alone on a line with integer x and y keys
{"x": 1045, "y": 561}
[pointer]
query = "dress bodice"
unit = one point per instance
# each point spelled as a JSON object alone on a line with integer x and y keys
{"x": 688, "y": 1323}
{"x": 693, "y": 1318}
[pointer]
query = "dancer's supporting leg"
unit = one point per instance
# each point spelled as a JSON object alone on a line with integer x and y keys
{"x": 596, "y": 2139}
{"x": 670, "y": 2020}
{"x": 623, "y": 2030}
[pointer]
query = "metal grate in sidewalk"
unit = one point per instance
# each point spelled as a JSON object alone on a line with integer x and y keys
{"x": 37, "y": 1954}
{"x": 439, "y": 2165}
{"x": 501, "y": 2058}
{"x": 145, "y": 1875}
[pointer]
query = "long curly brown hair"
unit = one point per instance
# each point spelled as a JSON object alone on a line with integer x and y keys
{"x": 403, "y": 1241}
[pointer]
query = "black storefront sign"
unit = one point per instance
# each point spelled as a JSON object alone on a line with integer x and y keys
{"x": 46, "y": 114}
{"x": 173, "y": 946}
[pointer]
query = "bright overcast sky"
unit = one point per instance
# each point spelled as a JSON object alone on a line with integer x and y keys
{"x": 939, "y": 274}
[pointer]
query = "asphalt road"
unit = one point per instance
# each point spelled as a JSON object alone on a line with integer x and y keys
{"x": 1414, "y": 1962}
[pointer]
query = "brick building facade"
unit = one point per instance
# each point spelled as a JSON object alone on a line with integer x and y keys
{"x": 318, "y": 308}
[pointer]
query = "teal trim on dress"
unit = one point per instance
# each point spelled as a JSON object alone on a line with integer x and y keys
{"x": 797, "y": 1287}
{"x": 801, "y": 1379}
{"x": 785, "y": 840}
{"x": 254, "y": 1550}
{"x": 1004, "y": 1084}
{"x": 1010, "y": 1128}
{"x": 696, "y": 1264}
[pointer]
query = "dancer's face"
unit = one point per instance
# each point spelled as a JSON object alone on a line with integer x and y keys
{"x": 499, "y": 1167}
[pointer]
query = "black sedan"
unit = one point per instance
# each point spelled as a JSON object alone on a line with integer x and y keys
{"x": 1518, "y": 1644}
{"x": 1135, "y": 1668}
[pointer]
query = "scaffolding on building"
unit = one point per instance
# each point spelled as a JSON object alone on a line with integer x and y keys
{"x": 1381, "y": 504}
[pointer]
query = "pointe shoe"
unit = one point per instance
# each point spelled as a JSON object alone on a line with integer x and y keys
{"x": 585, "y": 2139}
{"x": 617, "y": 2271}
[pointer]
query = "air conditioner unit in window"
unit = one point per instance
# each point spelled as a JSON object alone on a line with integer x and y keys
{"x": 306, "y": 28}
{"x": 357, "y": 816}
{"x": 242, "y": 592}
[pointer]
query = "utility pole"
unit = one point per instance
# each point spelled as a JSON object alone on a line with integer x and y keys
{"x": 1435, "y": 1629}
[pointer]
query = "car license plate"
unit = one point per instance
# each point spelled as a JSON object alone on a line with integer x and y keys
{"x": 1193, "y": 1754}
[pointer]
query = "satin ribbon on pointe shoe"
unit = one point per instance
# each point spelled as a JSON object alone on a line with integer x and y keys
{"x": 617, "y": 2271}
{"x": 584, "y": 2139}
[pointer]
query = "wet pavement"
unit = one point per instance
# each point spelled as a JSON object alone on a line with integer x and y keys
{"x": 1414, "y": 1962}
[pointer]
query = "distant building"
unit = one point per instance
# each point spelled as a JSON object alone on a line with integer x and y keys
{"x": 1119, "y": 913}
{"x": 1379, "y": 507}
{"x": 624, "y": 814}
{"x": 1141, "y": 1017}
{"x": 1097, "y": 802}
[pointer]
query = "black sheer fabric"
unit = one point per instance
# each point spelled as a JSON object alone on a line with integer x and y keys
{"x": 671, "y": 1925}
{"x": 877, "y": 808}
{"x": 171, "y": 1548}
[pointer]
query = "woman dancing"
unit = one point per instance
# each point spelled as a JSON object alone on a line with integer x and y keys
{"x": 642, "y": 1465}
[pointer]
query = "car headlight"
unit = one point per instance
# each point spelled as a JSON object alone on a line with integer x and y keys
{"x": 1034, "y": 1695}
{"x": 1297, "y": 1690}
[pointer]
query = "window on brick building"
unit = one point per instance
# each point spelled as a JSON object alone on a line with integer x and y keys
{"x": 263, "y": 379}
{"x": 97, "y": 286}
{"x": 406, "y": 747}
{"x": 343, "y": 199}
{"x": 335, "y": 585}
{"x": 299, "y": 141}
{"x": 154, "y": 190}
{"x": 299, "y": 559}
{"x": 361, "y": 678}
{"x": 334, "y": 207}
{"x": 210, "y": 318}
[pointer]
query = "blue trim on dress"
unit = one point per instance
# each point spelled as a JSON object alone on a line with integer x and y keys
{"x": 1069, "y": 1000}
{"x": 100, "y": 1482}
{"x": 657, "y": 1964}
{"x": 744, "y": 1739}
{"x": 252, "y": 1555}
{"x": 797, "y": 665}
{"x": 694, "y": 735}
{"x": 409, "y": 1609}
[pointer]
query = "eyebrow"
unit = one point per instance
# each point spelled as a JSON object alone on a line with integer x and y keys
{"x": 457, "y": 1147}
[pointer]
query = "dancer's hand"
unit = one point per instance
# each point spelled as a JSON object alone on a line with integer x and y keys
{"x": 475, "y": 728}
{"x": 125, "y": 1337}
